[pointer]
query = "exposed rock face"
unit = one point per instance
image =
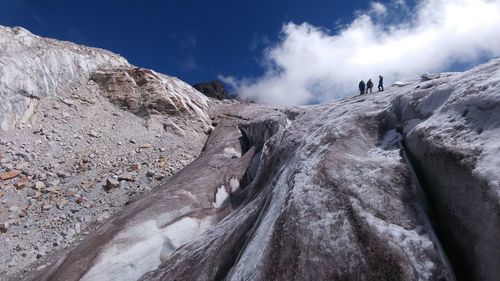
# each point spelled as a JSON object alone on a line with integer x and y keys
{"x": 145, "y": 92}
{"x": 32, "y": 68}
{"x": 213, "y": 89}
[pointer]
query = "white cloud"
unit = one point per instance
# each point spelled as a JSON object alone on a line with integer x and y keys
{"x": 311, "y": 65}
{"x": 378, "y": 9}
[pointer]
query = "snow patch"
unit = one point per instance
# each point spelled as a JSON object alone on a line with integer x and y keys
{"x": 488, "y": 166}
{"x": 143, "y": 247}
{"x": 401, "y": 83}
{"x": 130, "y": 255}
{"x": 220, "y": 196}
{"x": 234, "y": 183}
{"x": 231, "y": 152}
{"x": 182, "y": 232}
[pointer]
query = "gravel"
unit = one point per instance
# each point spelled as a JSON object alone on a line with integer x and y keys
{"x": 77, "y": 162}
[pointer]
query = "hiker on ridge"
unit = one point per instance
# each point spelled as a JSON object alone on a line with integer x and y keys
{"x": 369, "y": 86}
{"x": 362, "y": 87}
{"x": 380, "y": 83}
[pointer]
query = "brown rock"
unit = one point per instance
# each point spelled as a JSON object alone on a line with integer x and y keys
{"x": 213, "y": 89}
{"x": 70, "y": 193}
{"x": 135, "y": 167}
{"x": 9, "y": 175}
{"x": 22, "y": 183}
{"x": 162, "y": 163}
{"x": 79, "y": 200}
{"x": 143, "y": 92}
{"x": 87, "y": 184}
{"x": 111, "y": 183}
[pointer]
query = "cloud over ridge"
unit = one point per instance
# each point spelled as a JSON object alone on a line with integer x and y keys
{"x": 311, "y": 65}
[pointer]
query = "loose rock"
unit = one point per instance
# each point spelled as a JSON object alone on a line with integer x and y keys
{"x": 9, "y": 175}
{"x": 111, "y": 183}
{"x": 4, "y": 227}
{"x": 39, "y": 185}
{"x": 61, "y": 203}
{"x": 135, "y": 167}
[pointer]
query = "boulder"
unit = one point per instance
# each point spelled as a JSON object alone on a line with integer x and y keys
{"x": 111, "y": 183}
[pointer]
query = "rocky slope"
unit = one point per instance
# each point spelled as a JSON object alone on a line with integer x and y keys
{"x": 83, "y": 139}
{"x": 397, "y": 185}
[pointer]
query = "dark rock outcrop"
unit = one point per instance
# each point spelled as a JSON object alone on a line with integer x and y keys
{"x": 214, "y": 89}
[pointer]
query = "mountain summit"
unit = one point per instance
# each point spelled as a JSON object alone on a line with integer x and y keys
{"x": 213, "y": 89}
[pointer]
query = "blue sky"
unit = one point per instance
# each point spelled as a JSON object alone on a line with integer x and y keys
{"x": 278, "y": 52}
{"x": 195, "y": 40}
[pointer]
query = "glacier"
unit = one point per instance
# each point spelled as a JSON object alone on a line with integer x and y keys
{"x": 396, "y": 185}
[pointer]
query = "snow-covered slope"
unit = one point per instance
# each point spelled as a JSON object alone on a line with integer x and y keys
{"x": 397, "y": 185}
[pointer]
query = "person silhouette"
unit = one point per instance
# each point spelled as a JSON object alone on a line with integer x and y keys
{"x": 362, "y": 87}
{"x": 369, "y": 86}
{"x": 380, "y": 83}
